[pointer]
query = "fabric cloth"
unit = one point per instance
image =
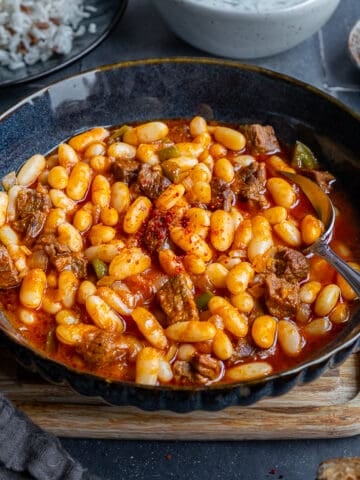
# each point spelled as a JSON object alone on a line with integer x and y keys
{"x": 25, "y": 448}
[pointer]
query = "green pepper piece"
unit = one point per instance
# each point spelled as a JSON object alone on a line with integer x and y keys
{"x": 171, "y": 170}
{"x": 118, "y": 133}
{"x": 202, "y": 300}
{"x": 168, "y": 152}
{"x": 303, "y": 157}
{"x": 100, "y": 267}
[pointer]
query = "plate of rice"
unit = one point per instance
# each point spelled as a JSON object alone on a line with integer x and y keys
{"x": 38, "y": 37}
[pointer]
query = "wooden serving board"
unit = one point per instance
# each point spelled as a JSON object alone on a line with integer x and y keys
{"x": 328, "y": 407}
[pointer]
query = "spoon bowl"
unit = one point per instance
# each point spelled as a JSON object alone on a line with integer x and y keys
{"x": 326, "y": 213}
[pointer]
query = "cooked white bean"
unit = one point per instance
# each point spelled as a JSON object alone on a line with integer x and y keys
{"x": 191, "y": 331}
{"x": 222, "y": 346}
{"x": 79, "y": 181}
{"x": 4, "y": 201}
{"x": 68, "y": 235}
{"x": 289, "y": 233}
{"x": 147, "y": 366}
{"x": 102, "y": 315}
{"x": 289, "y": 338}
{"x": 281, "y": 191}
{"x": 74, "y": 334}
{"x": 31, "y": 170}
{"x": 67, "y": 287}
{"x": 230, "y": 138}
{"x": 11, "y": 208}
{"x": 309, "y": 291}
{"x": 8, "y": 236}
{"x": 129, "y": 261}
{"x": 113, "y": 300}
{"x": 136, "y": 215}
{"x": 105, "y": 252}
{"x": 26, "y": 316}
{"x": 32, "y": 288}
{"x": 248, "y": 371}
{"x": 165, "y": 374}
{"x": 150, "y": 327}
{"x": 318, "y": 327}
{"x": 151, "y": 132}
{"x": 67, "y": 317}
{"x": 327, "y": 299}
{"x": 222, "y": 230}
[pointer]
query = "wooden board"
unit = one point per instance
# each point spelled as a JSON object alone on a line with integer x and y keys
{"x": 328, "y": 407}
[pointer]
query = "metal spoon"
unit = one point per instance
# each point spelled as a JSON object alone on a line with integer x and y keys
{"x": 325, "y": 211}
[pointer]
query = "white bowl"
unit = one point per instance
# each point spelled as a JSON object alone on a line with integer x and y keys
{"x": 223, "y": 27}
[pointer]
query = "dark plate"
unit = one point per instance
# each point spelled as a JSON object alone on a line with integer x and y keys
{"x": 173, "y": 88}
{"x": 107, "y": 14}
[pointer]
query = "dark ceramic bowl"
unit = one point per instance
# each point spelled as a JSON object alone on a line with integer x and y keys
{"x": 173, "y": 88}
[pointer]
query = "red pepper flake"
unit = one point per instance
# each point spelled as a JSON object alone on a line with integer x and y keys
{"x": 272, "y": 471}
{"x": 168, "y": 456}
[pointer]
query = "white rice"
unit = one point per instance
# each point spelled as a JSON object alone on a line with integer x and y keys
{"x": 252, "y": 6}
{"x": 33, "y": 30}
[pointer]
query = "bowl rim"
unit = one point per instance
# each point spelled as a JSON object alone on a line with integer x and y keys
{"x": 325, "y": 358}
{"x": 226, "y": 9}
{"x": 186, "y": 60}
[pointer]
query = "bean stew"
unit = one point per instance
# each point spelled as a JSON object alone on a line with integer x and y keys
{"x": 171, "y": 253}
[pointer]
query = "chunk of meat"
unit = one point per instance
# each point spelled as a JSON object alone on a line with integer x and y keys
{"x": 261, "y": 139}
{"x": 157, "y": 230}
{"x": 222, "y": 196}
{"x": 288, "y": 263}
{"x": 243, "y": 349}
{"x": 61, "y": 257}
{"x": 9, "y": 276}
{"x": 125, "y": 170}
{"x": 281, "y": 297}
{"x": 250, "y": 184}
{"x": 152, "y": 182}
{"x": 32, "y": 209}
{"x": 322, "y": 178}
{"x": 102, "y": 348}
{"x": 202, "y": 368}
{"x": 177, "y": 299}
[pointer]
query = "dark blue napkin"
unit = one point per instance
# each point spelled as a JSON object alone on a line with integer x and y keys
{"x": 27, "y": 452}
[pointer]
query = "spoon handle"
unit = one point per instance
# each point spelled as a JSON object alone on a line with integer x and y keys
{"x": 351, "y": 276}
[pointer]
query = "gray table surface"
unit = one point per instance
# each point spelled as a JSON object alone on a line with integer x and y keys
{"x": 321, "y": 61}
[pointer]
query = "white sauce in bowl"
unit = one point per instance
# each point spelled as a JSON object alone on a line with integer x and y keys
{"x": 251, "y": 6}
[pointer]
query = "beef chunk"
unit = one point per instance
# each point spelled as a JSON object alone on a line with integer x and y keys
{"x": 177, "y": 299}
{"x": 156, "y": 231}
{"x": 202, "y": 368}
{"x": 125, "y": 170}
{"x": 222, "y": 196}
{"x": 288, "y": 263}
{"x": 152, "y": 182}
{"x": 8, "y": 274}
{"x": 323, "y": 179}
{"x": 206, "y": 366}
{"x": 75, "y": 262}
{"x": 29, "y": 201}
{"x": 281, "y": 297}
{"x": 261, "y": 139}
{"x": 243, "y": 349}
{"x": 32, "y": 208}
{"x": 250, "y": 182}
{"x": 103, "y": 348}
{"x": 61, "y": 257}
